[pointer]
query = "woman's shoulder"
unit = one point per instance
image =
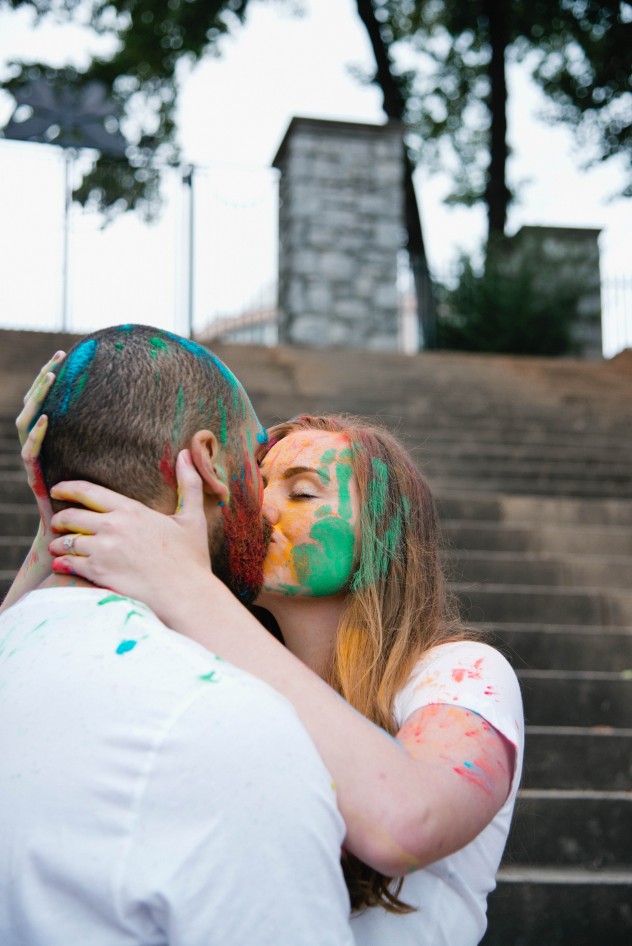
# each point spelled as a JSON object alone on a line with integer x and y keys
{"x": 467, "y": 673}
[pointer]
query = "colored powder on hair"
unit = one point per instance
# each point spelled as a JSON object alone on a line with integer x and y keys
{"x": 167, "y": 467}
{"x": 178, "y": 417}
{"x": 74, "y": 373}
{"x": 262, "y": 436}
{"x": 119, "y": 346}
{"x": 378, "y": 487}
{"x": 158, "y": 345}
{"x": 343, "y": 473}
{"x": 223, "y": 435}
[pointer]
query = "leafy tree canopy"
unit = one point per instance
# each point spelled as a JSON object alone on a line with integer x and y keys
{"x": 153, "y": 38}
{"x": 578, "y": 52}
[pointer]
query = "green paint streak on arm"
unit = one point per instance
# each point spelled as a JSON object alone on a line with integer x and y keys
{"x": 344, "y": 472}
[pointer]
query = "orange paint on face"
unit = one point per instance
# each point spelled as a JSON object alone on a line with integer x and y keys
{"x": 311, "y": 503}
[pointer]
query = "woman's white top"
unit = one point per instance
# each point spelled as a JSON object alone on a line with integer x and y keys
{"x": 450, "y": 895}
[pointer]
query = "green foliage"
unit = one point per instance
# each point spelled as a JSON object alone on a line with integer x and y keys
{"x": 515, "y": 306}
{"x": 153, "y": 38}
{"x": 579, "y": 54}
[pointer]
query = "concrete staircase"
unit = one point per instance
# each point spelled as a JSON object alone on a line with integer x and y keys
{"x": 531, "y": 461}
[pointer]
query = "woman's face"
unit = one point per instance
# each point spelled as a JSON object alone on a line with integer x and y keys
{"x": 311, "y": 502}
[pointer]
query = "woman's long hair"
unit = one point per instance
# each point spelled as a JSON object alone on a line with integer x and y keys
{"x": 397, "y": 607}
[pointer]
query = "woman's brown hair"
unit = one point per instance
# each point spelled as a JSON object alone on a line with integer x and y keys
{"x": 397, "y": 607}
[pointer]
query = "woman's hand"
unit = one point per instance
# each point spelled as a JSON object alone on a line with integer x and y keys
{"x": 32, "y": 436}
{"x": 118, "y": 543}
{"x": 38, "y": 562}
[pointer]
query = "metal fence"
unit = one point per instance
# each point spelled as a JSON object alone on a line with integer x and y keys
{"x": 209, "y": 262}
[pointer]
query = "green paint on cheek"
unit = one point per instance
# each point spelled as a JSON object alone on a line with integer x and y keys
{"x": 323, "y": 511}
{"x": 324, "y": 565}
{"x": 343, "y": 473}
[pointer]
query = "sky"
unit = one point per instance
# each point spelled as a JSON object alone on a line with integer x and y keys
{"x": 234, "y": 110}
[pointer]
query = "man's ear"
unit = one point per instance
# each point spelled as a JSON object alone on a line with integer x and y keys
{"x": 208, "y": 460}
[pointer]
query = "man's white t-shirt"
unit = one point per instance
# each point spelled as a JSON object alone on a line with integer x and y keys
{"x": 450, "y": 895}
{"x": 153, "y": 794}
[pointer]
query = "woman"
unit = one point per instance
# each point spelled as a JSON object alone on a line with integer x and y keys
{"x": 353, "y": 579}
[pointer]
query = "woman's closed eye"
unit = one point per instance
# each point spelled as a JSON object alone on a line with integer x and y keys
{"x": 302, "y": 494}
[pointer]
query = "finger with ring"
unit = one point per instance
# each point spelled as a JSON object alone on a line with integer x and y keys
{"x": 69, "y": 543}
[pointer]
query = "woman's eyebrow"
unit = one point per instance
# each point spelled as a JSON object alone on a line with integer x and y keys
{"x": 321, "y": 472}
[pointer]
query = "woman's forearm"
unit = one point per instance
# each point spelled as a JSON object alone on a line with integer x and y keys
{"x": 375, "y": 779}
{"x": 35, "y": 568}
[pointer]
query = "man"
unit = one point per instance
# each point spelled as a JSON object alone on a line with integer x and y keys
{"x": 151, "y": 793}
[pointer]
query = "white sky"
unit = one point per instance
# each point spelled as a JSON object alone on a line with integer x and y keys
{"x": 234, "y": 112}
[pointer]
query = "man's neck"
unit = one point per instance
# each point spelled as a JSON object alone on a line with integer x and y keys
{"x": 65, "y": 581}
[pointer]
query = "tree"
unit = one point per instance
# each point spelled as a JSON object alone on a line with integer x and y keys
{"x": 152, "y": 37}
{"x": 578, "y": 51}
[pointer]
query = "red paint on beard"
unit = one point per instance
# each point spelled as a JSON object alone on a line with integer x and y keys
{"x": 245, "y": 545}
{"x": 167, "y": 467}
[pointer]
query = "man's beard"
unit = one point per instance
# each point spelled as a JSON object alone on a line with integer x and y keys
{"x": 238, "y": 553}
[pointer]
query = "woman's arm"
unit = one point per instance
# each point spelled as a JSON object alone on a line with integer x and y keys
{"x": 404, "y": 802}
{"x": 37, "y": 564}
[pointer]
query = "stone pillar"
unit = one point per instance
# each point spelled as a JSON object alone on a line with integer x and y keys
{"x": 569, "y": 256}
{"x": 341, "y": 226}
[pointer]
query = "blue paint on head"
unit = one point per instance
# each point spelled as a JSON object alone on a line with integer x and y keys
{"x": 262, "y": 436}
{"x": 74, "y": 372}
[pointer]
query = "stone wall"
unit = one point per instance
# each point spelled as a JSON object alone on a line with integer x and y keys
{"x": 341, "y": 227}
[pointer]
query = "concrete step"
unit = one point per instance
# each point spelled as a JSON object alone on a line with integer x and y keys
{"x": 577, "y": 698}
{"x": 550, "y": 539}
{"x": 543, "y": 605}
{"x": 528, "y": 510}
{"x": 571, "y": 757}
{"x": 535, "y": 906}
{"x": 567, "y": 647}
{"x": 507, "y": 465}
{"x": 531, "y": 486}
{"x": 18, "y": 518}
{"x": 540, "y": 568}
{"x": 572, "y": 828}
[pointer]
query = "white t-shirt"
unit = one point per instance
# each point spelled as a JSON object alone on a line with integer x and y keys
{"x": 451, "y": 894}
{"x": 153, "y": 794}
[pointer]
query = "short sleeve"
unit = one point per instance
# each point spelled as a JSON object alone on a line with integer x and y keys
{"x": 237, "y": 835}
{"x": 472, "y": 675}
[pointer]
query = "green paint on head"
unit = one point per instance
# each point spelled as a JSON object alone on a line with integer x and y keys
{"x": 223, "y": 436}
{"x": 119, "y": 346}
{"x": 178, "y": 417}
{"x": 324, "y": 566}
{"x": 344, "y": 473}
{"x": 323, "y": 511}
{"x": 157, "y": 345}
{"x": 328, "y": 457}
{"x": 323, "y": 474}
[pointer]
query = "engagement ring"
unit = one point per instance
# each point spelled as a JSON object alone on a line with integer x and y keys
{"x": 68, "y": 543}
